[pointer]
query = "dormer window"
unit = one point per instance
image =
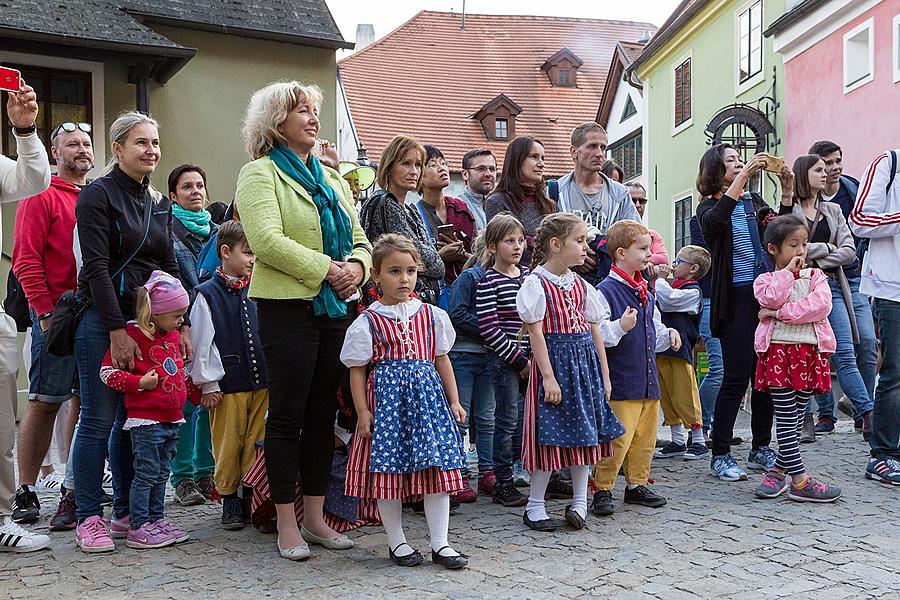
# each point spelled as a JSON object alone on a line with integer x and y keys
{"x": 562, "y": 68}
{"x": 498, "y": 118}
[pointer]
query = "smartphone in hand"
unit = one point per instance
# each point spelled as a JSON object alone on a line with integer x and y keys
{"x": 10, "y": 79}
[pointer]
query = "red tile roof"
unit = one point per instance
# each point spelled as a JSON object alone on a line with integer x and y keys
{"x": 427, "y": 78}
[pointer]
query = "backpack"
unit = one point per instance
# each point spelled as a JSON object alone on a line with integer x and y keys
{"x": 864, "y": 244}
{"x": 16, "y": 304}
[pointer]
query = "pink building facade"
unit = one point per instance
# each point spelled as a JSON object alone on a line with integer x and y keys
{"x": 842, "y": 76}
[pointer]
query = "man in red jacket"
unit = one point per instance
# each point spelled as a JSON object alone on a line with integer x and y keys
{"x": 44, "y": 262}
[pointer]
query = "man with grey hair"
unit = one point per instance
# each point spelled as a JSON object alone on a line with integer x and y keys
{"x": 26, "y": 176}
{"x": 44, "y": 262}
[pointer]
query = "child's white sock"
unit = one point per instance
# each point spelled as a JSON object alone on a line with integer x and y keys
{"x": 437, "y": 513}
{"x": 579, "y": 489}
{"x": 391, "y": 512}
{"x": 536, "y": 508}
{"x": 678, "y": 435}
{"x": 697, "y": 437}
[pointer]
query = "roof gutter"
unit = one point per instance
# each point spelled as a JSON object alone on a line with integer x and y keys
{"x": 68, "y": 40}
{"x": 789, "y": 18}
{"x": 663, "y": 36}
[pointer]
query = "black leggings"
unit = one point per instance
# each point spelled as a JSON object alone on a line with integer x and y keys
{"x": 739, "y": 362}
{"x": 303, "y": 360}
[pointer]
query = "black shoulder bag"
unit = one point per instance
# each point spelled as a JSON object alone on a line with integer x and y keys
{"x": 60, "y": 335}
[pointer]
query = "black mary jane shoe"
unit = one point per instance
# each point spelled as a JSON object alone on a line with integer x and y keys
{"x": 542, "y": 525}
{"x": 409, "y": 560}
{"x": 573, "y": 518}
{"x": 451, "y": 562}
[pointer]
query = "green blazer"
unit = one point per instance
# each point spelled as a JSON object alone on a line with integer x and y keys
{"x": 282, "y": 225}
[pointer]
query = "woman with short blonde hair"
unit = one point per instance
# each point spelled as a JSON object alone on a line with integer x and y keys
{"x": 311, "y": 258}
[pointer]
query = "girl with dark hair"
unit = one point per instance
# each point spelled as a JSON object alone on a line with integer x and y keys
{"x": 522, "y": 190}
{"x": 793, "y": 340}
{"x": 727, "y": 216}
{"x": 612, "y": 170}
{"x": 831, "y": 248}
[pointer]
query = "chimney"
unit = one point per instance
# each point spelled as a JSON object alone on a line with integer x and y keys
{"x": 645, "y": 37}
{"x": 365, "y": 35}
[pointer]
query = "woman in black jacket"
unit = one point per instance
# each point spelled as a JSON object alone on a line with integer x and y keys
{"x": 727, "y": 216}
{"x": 111, "y": 223}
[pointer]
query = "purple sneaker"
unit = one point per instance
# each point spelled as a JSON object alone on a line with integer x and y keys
{"x": 814, "y": 491}
{"x": 179, "y": 535}
{"x": 772, "y": 485}
{"x": 148, "y": 536}
{"x": 118, "y": 528}
{"x": 93, "y": 536}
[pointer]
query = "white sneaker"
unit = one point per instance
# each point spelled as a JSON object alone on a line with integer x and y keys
{"x": 51, "y": 483}
{"x": 14, "y": 538}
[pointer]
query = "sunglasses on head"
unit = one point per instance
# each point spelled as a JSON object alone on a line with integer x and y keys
{"x": 69, "y": 127}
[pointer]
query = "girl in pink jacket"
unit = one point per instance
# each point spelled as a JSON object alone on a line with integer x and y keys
{"x": 793, "y": 341}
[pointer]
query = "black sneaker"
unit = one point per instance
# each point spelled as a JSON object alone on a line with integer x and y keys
{"x": 64, "y": 519}
{"x": 232, "y": 513}
{"x": 506, "y": 494}
{"x": 669, "y": 450}
{"x": 558, "y": 488}
{"x": 643, "y": 496}
{"x": 188, "y": 494}
{"x": 26, "y": 506}
{"x": 603, "y": 506}
{"x": 206, "y": 485}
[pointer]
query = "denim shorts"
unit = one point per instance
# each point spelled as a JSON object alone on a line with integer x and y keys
{"x": 51, "y": 379}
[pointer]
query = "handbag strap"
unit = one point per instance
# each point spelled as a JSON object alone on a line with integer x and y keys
{"x": 816, "y": 219}
{"x": 147, "y": 211}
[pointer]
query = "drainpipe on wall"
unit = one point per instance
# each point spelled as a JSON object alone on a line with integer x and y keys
{"x": 139, "y": 75}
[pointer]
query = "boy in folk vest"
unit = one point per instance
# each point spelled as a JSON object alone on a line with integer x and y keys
{"x": 681, "y": 304}
{"x": 229, "y": 369}
{"x": 632, "y": 333}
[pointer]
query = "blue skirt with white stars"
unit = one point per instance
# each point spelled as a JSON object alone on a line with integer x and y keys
{"x": 413, "y": 426}
{"x": 584, "y": 417}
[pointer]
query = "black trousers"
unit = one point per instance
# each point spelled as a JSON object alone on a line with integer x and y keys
{"x": 303, "y": 360}
{"x": 739, "y": 362}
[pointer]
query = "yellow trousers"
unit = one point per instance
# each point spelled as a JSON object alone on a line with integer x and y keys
{"x": 237, "y": 424}
{"x": 679, "y": 395}
{"x": 633, "y": 450}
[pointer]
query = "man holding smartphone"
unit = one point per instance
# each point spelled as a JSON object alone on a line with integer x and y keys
{"x": 27, "y": 176}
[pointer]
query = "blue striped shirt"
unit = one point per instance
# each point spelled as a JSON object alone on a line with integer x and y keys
{"x": 744, "y": 255}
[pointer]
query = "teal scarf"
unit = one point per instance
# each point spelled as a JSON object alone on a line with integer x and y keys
{"x": 337, "y": 232}
{"x": 197, "y": 223}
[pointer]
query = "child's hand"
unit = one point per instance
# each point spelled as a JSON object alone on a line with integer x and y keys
{"x": 459, "y": 413}
{"x": 674, "y": 340}
{"x": 552, "y": 392}
{"x": 149, "y": 381}
{"x": 767, "y": 312}
{"x": 797, "y": 263}
{"x": 364, "y": 425}
{"x": 607, "y": 392}
{"x": 662, "y": 271}
{"x": 523, "y": 374}
{"x": 628, "y": 319}
{"x": 211, "y": 400}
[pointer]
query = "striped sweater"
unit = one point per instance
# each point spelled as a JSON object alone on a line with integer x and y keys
{"x": 498, "y": 318}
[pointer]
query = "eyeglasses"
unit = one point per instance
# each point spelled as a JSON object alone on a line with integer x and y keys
{"x": 639, "y": 200}
{"x": 482, "y": 169}
{"x": 681, "y": 261}
{"x": 70, "y": 127}
{"x": 437, "y": 164}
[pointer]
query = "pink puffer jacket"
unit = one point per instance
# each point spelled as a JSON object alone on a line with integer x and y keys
{"x": 772, "y": 290}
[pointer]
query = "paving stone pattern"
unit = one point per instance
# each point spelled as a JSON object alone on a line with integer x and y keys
{"x": 713, "y": 540}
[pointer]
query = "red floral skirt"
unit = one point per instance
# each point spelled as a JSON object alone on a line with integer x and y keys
{"x": 794, "y": 366}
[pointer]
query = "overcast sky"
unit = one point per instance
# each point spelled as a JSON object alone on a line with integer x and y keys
{"x": 388, "y": 15}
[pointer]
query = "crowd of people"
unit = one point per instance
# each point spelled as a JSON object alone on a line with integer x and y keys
{"x": 315, "y": 355}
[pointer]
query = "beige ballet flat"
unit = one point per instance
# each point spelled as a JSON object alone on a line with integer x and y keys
{"x": 341, "y": 542}
{"x": 300, "y": 552}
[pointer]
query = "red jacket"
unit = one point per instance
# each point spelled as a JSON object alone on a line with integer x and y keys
{"x": 162, "y": 353}
{"x": 43, "y": 259}
{"x": 462, "y": 220}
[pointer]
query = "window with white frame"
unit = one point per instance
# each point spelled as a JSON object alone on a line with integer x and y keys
{"x": 501, "y": 129}
{"x": 683, "y": 214}
{"x": 750, "y": 42}
{"x": 859, "y": 56}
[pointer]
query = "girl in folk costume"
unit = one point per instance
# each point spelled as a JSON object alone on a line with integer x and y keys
{"x": 793, "y": 340}
{"x": 407, "y": 444}
{"x": 568, "y": 420}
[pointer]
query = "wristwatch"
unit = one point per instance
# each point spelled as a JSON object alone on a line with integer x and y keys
{"x": 23, "y": 131}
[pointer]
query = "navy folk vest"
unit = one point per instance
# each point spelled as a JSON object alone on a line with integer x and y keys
{"x": 632, "y": 362}
{"x": 237, "y": 336}
{"x": 687, "y": 326}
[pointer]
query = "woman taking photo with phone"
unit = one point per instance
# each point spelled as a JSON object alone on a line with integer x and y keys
{"x": 447, "y": 220}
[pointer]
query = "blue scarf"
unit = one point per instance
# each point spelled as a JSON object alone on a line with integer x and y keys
{"x": 337, "y": 232}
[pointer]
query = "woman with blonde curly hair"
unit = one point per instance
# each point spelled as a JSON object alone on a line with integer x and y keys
{"x": 311, "y": 258}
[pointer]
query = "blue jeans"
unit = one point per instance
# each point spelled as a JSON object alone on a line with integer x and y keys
{"x": 51, "y": 379}
{"x": 886, "y": 418}
{"x": 856, "y": 365}
{"x": 475, "y": 390}
{"x": 709, "y": 387}
{"x": 508, "y": 412}
{"x": 153, "y": 446}
{"x": 100, "y": 427}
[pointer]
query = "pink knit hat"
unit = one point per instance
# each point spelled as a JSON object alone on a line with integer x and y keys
{"x": 166, "y": 293}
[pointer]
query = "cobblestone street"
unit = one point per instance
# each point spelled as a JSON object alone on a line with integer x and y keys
{"x": 713, "y": 540}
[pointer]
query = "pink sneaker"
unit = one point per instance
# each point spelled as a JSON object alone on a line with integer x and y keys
{"x": 179, "y": 535}
{"x": 148, "y": 536}
{"x": 118, "y": 528}
{"x": 93, "y": 536}
{"x": 487, "y": 483}
{"x": 467, "y": 494}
